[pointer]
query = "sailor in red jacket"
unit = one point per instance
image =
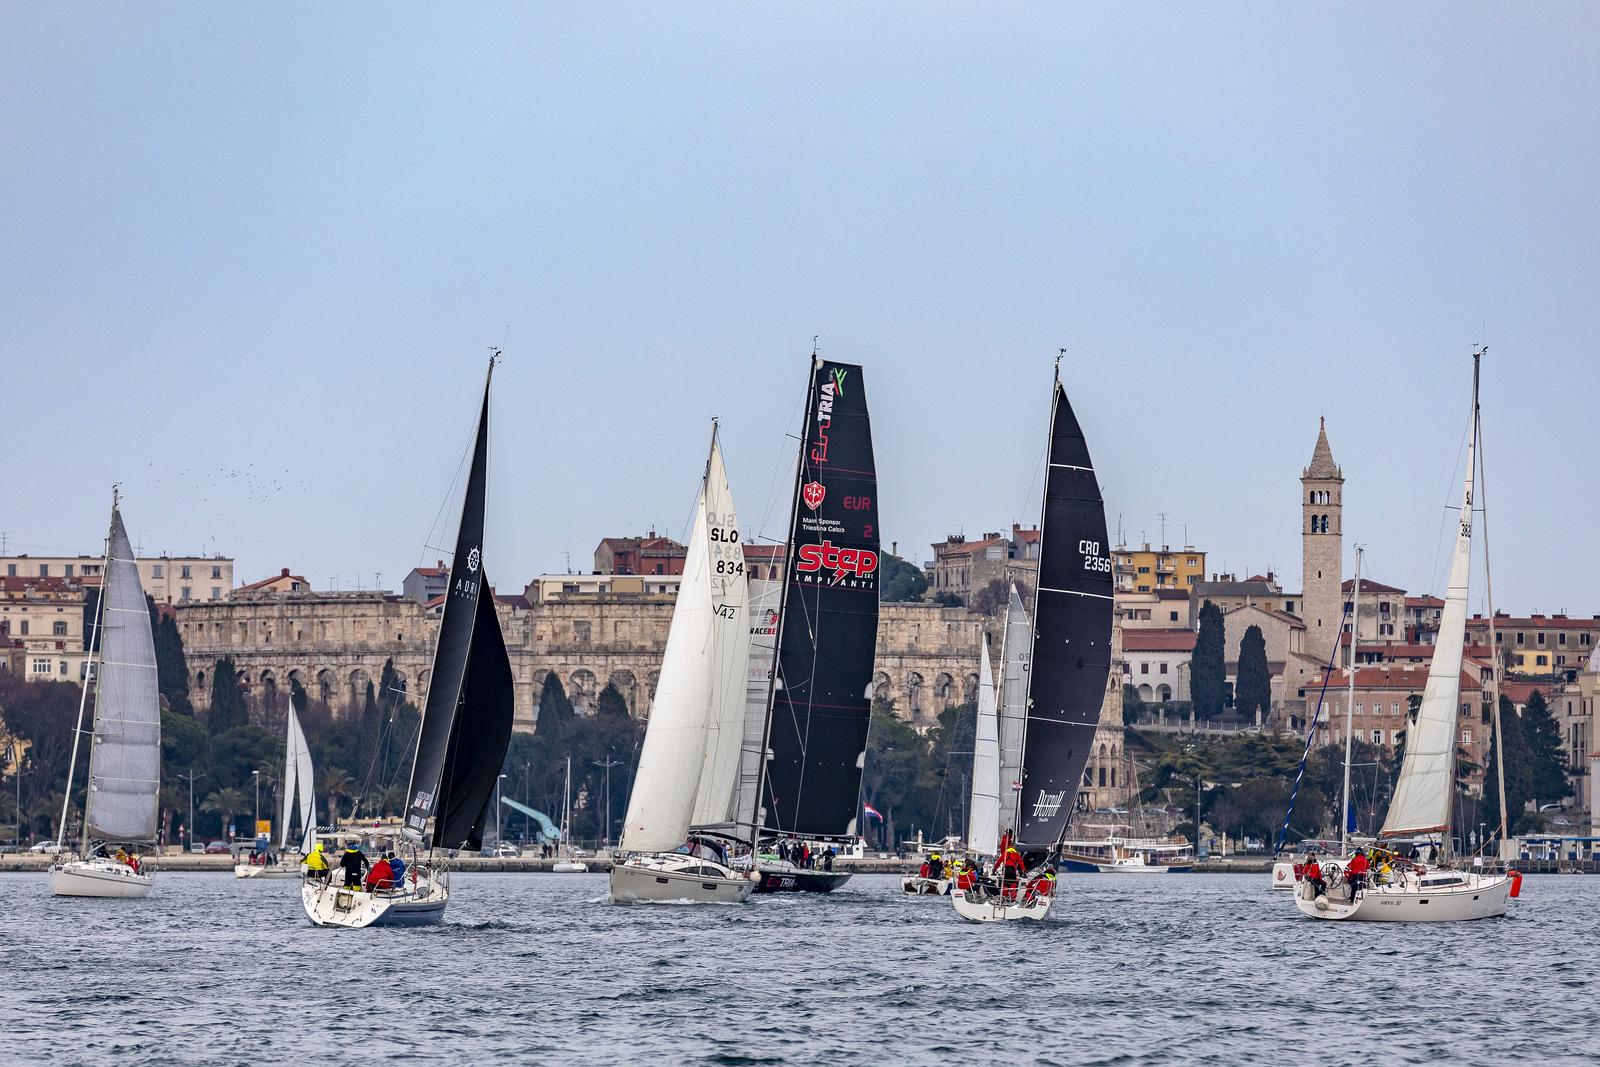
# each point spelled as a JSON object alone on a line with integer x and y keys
{"x": 380, "y": 876}
{"x": 1356, "y": 872}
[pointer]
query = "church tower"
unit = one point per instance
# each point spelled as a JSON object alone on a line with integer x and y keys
{"x": 1322, "y": 601}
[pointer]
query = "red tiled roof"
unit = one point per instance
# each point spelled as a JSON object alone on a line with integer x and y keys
{"x": 1410, "y": 677}
{"x": 966, "y": 548}
{"x": 769, "y": 553}
{"x": 280, "y": 576}
{"x": 23, "y": 584}
{"x": 1166, "y": 592}
{"x": 1294, "y": 622}
{"x": 438, "y": 571}
{"x": 1519, "y": 692}
{"x": 1535, "y": 622}
{"x": 1428, "y": 601}
{"x": 1151, "y": 640}
{"x": 1025, "y": 535}
{"x": 1370, "y": 586}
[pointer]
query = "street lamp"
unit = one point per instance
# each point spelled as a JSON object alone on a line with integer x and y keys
{"x": 188, "y": 844}
{"x": 256, "y": 828}
{"x": 605, "y": 833}
{"x": 497, "y": 782}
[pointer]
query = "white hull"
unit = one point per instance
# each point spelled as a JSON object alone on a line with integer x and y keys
{"x": 995, "y": 910}
{"x": 1428, "y": 899}
{"x": 332, "y": 905}
{"x": 1283, "y": 875}
{"x": 936, "y": 887}
{"x": 273, "y": 870}
{"x": 1130, "y": 867}
{"x": 571, "y": 867}
{"x": 98, "y": 878}
{"x": 677, "y": 879}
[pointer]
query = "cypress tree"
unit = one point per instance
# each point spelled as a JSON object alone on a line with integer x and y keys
{"x": 611, "y": 703}
{"x": 1519, "y": 788}
{"x": 1254, "y": 691}
{"x": 1207, "y": 674}
{"x": 555, "y": 710}
{"x": 1547, "y": 770}
{"x": 227, "y": 700}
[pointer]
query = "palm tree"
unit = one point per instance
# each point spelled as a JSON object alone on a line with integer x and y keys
{"x": 226, "y": 802}
{"x": 336, "y": 783}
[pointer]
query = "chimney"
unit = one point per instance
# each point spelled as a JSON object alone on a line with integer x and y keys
{"x": 285, "y": 573}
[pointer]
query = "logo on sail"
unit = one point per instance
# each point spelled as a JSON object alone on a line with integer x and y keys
{"x": 1046, "y": 805}
{"x": 473, "y": 559}
{"x": 423, "y": 802}
{"x": 812, "y": 493}
{"x": 854, "y": 564}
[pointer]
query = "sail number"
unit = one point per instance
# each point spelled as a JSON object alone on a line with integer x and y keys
{"x": 725, "y": 611}
{"x": 730, "y": 566}
{"x": 729, "y": 536}
{"x": 1092, "y": 559}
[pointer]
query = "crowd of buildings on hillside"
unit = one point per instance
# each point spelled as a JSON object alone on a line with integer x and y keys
{"x": 1160, "y": 592}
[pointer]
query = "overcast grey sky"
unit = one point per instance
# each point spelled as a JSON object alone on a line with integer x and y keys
{"x": 285, "y": 235}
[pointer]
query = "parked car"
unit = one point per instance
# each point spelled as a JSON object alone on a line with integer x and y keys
{"x": 504, "y": 850}
{"x": 196, "y": 846}
{"x": 47, "y": 848}
{"x": 218, "y": 848}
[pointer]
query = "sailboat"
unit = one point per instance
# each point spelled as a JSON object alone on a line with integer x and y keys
{"x": 568, "y": 861}
{"x": 1066, "y": 672}
{"x": 296, "y": 786}
{"x": 119, "y": 817}
{"x": 983, "y": 804}
{"x": 1420, "y": 808}
{"x": 689, "y": 764}
{"x": 819, "y": 697}
{"x": 462, "y": 741}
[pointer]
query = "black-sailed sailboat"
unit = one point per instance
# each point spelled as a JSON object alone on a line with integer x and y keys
{"x": 461, "y": 745}
{"x": 819, "y": 701}
{"x": 1067, "y": 676}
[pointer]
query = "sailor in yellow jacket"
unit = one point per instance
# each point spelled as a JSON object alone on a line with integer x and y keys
{"x": 316, "y": 863}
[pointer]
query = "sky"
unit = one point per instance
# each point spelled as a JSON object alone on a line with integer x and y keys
{"x": 255, "y": 258}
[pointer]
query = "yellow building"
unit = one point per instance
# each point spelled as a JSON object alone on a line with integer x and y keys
{"x": 1144, "y": 569}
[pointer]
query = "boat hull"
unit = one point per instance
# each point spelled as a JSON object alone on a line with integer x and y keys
{"x": 799, "y": 880}
{"x": 1131, "y": 868}
{"x": 926, "y": 887}
{"x": 355, "y": 909}
{"x": 997, "y": 910}
{"x": 1283, "y": 876}
{"x": 634, "y": 882}
{"x": 275, "y": 870}
{"x": 99, "y": 878}
{"x": 1481, "y": 896}
{"x": 570, "y": 867}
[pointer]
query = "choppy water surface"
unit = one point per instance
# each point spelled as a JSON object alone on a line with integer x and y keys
{"x": 1177, "y": 969}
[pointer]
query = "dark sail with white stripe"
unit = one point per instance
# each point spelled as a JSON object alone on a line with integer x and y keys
{"x": 828, "y": 628}
{"x": 1072, "y": 636}
{"x": 466, "y": 725}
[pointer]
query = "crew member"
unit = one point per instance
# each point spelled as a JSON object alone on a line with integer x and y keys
{"x": 354, "y": 862}
{"x": 1314, "y": 876}
{"x": 1356, "y": 872}
{"x": 317, "y": 863}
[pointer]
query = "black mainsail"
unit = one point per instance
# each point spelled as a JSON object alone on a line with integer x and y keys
{"x": 828, "y": 624}
{"x": 466, "y": 725}
{"x": 1071, "y": 636}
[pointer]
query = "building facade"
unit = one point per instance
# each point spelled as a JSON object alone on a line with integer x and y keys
{"x": 41, "y": 626}
{"x": 1146, "y": 570}
{"x": 166, "y": 579}
{"x": 1321, "y": 551}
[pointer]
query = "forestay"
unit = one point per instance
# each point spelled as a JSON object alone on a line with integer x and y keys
{"x": 1421, "y": 801}
{"x": 125, "y": 763}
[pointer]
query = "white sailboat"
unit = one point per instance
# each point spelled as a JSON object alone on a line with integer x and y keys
{"x": 983, "y": 807}
{"x": 689, "y": 765}
{"x": 1420, "y": 808}
{"x": 296, "y": 786}
{"x": 125, "y": 752}
{"x": 568, "y": 863}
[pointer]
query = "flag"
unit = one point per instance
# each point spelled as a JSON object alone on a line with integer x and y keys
{"x": 1350, "y": 820}
{"x": 872, "y": 811}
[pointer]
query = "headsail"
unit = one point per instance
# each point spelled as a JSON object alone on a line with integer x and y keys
{"x": 125, "y": 762}
{"x": 1421, "y": 801}
{"x": 828, "y": 632}
{"x": 297, "y": 785}
{"x": 1015, "y": 649}
{"x": 466, "y": 725}
{"x": 983, "y": 820}
{"x": 765, "y": 600}
{"x": 690, "y": 756}
{"x": 1072, "y": 636}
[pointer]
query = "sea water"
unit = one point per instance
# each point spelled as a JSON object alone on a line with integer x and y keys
{"x": 1182, "y": 969}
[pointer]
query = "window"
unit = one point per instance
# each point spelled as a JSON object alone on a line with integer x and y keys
{"x": 1144, "y": 570}
{"x": 1386, "y": 629}
{"x": 1144, "y": 668}
{"x": 1466, "y": 736}
{"x": 1377, "y": 737}
{"x": 1102, "y": 776}
{"x": 41, "y": 666}
{"x": 183, "y": 593}
{"x": 1542, "y": 661}
{"x": 63, "y": 668}
{"x": 1394, "y": 707}
{"x": 1163, "y": 667}
{"x": 216, "y": 573}
{"x": 69, "y": 570}
{"x": 216, "y": 592}
{"x": 1288, "y": 606}
{"x": 155, "y": 571}
{"x": 59, "y": 628}
{"x": 1561, "y": 638}
{"x": 1519, "y": 638}
{"x": 44, "y": 571}
{"x": 1192, "y": 562}
{"x": 1360, "y": 707}
{"x": 11, "y": 570}
{"x": 24, "y": 630}
{"x": 1172, "y": 616}
{"x": 1541, "y": 638}
{"x": 185, "y": 572}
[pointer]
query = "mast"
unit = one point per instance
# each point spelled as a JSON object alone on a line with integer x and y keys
{"x": 783, "y": 603}
{"x": 94, "y": 674}
{"x": 1488, "y": 592}
{"x": 1350, "y": 704}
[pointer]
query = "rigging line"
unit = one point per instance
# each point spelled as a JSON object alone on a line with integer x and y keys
{"x": 1441, "y": 489}
{"x": 786, "y": 464}
{"x": 449, "y": 495}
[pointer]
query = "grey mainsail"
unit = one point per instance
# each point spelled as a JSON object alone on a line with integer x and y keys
{"x": 125, "y": 761}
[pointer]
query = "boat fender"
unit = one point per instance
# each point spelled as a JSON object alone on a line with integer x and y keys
{"x": 1321, "y": 902}
{"x": 755, "y": 876}
{"x": 1516, "y": 884}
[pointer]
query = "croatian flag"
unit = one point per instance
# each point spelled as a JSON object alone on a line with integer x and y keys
{"x": 872, "y": 811}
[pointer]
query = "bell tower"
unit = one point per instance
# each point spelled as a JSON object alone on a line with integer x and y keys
{"x": 1321, "y": 540}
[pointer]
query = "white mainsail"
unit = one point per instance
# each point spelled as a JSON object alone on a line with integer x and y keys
{"x": 1422, "y": 794}
{"x": 1015, "y": 648}
{"x": 125, "y": 761}
{"x": 983, "y": 819}
{"x": 297, "y": 784}
{"x": 701, "y": 686}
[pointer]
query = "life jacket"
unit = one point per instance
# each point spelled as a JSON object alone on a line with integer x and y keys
{"x": 922, "y": 872}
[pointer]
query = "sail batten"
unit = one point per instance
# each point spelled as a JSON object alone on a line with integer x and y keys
{"x": 125, "y": 760}
{"x": 466, "y": 723}
{"x": 1071, "y": 656}
{"x": 821, "y": 695}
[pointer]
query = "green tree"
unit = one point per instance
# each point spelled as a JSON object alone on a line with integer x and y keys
{"x": 228, "y": 710}
{"x": 947, "y": 600}
{"x": 335, "y": 784}
{"x": 1547, "y": 764}
{"x": 172, "y": 667}
{"x": 611, "y": 702}
{"x": 899, "y": 581}
{"x": 1133, "y": 708}
{"x": 992, "y": 599}
{"x": 1519, "y": 777}
{"x": 227, "y": 803}
{"x": 896, "y": 754}
{"x": 1207, "y": 673}
{"x": 1253, "y": 694}
{"x": 555, "y": 710}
